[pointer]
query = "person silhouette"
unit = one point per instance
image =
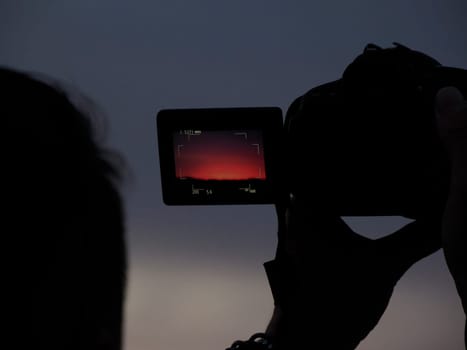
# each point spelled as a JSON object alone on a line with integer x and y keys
{"x": 63, "y": 221}
{"x": 333, "y": 296}
{"x": 367, "y": 144}
{"x": 452, "y": 122}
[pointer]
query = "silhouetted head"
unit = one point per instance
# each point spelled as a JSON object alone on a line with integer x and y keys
{"x": 63, "y": 222}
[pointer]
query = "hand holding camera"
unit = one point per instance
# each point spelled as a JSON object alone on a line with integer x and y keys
{"x": 387, "y": 138}
{"x": 381, "y": 155}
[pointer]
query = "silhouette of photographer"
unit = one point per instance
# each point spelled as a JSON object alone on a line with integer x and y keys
{"x": 452, "y": 117}
{"x": 330, "y": 285}
{"x": 63, "y": 222}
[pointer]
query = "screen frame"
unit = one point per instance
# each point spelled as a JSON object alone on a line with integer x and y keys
{"x": 269, "y": 120}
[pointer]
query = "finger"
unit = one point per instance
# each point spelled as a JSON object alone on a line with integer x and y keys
{"x": 414, "y": 241}
{"x": 450, "y": 107}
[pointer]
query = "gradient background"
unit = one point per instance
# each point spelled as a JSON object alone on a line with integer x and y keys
{"x": 196, "y": 279}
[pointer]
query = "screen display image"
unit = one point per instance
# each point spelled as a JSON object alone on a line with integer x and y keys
{"x": 214, "y": 161}
{"x": 219, "y": 155}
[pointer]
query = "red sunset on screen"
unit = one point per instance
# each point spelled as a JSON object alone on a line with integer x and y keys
{"x": 219, "y": 155}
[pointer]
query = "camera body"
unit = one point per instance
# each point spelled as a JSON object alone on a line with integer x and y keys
{"x": 371, "y": 143}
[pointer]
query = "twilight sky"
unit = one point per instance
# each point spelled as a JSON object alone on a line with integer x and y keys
{"x": 196, "y": 279}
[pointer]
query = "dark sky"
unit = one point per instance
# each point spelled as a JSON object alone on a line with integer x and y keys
{"x": 196, "y": 279}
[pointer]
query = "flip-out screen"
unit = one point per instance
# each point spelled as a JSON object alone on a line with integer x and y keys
{"x": 219, "y": 155}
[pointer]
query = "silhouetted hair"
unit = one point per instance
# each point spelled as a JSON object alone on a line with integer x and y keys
{"x": 63, "y": 223}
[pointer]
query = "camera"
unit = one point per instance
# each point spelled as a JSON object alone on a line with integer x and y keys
{"x": 213, "y": 156}
{"x": 366, "y": 144}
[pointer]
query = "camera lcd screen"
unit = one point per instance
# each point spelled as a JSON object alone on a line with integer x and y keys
{"x": 235, "y": 155}
{"x": 219, "y": 155}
